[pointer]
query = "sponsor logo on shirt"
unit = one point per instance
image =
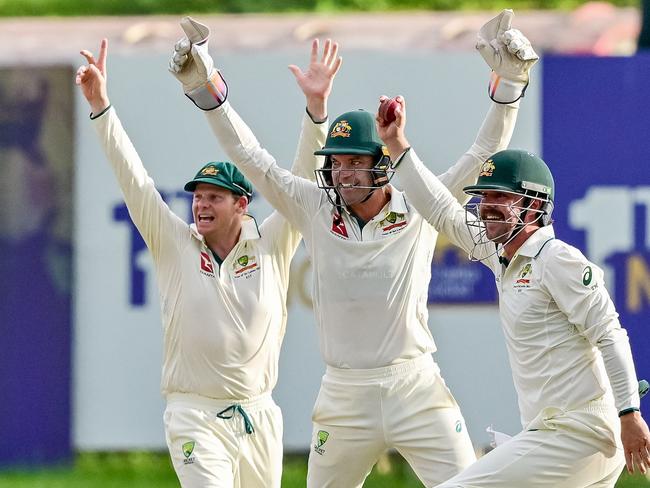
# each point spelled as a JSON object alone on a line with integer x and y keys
{"x": 321, "y": 439}
{"x": 338, "y": 226}
{"x": 188, "y": 450}
{"x": 524, "y": 277}
{"x": 207, "y": 268}
{"x": 341, "y": 129}
{"x": 392, "y": 223}
{"x": 459, "y": 426}
{"x": 245, "y": 265}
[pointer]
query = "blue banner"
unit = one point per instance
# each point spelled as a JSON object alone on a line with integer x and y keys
{"x": 36, "y": 155}
{"x": 596, "y": 120}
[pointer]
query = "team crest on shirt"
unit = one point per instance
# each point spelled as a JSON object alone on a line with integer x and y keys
{"x": 207, "y": 268}
{"x": 523, "y": 279}
{"x": 188, "y": 451}
{"x": 487, "y": 168}
{"x": 393, "y": 223}
{"x": 338, "y": 226}
{"x": 321, "y": 439}
{"x": 245, "y": 265}
{"x": 341, "y": 129}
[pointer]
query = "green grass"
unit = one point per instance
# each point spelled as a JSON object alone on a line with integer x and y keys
{"x": 153, "y": 470}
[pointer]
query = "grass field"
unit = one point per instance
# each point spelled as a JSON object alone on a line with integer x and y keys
{"x": 153, "y": 470}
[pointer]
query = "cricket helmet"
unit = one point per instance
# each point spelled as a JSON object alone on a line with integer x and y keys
{"x": 354, "y": 133}
{"x": 520, "y": 172}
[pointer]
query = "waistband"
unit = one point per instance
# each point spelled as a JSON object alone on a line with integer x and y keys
{"x": 199, "y": 402}
{"x": 375, "y": 374}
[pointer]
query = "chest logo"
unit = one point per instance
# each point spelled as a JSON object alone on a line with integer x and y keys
{"x": 392, "y": 223}
{"x": 523, "y": 281}
{"x": 206, "y": 264}
{"x": 245, "y": 265}
{"x": 338, "y": 226}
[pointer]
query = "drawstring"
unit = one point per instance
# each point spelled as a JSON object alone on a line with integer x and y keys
{"x": 230, "y": 412}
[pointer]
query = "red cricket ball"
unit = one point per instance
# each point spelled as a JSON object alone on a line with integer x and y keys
{"x": 387, "y": 110}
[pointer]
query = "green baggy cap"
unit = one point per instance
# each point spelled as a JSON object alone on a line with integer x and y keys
{"x": 225, "y": 175}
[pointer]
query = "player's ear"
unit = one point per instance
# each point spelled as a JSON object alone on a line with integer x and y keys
{"x": 242, "y": 203}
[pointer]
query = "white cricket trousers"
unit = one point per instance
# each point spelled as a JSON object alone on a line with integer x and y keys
{"x": 211, "y": 451}
{"x": 359, "y": 414}
{"x": 575, "y": 449}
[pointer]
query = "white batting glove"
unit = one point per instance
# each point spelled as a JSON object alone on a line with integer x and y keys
{"x": 510, "y": 55}
{"x": 193, "y": 66}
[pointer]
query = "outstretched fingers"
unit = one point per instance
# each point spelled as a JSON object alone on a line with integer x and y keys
{"x": 103, "y": 51}
{"x": 314, "y": 51}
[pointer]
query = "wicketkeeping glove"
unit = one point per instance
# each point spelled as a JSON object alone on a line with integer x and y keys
{"x": 193, "y": 66}
{"x": 509, "y": 53}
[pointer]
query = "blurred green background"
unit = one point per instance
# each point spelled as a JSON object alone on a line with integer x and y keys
{"x": 143, "y": 7}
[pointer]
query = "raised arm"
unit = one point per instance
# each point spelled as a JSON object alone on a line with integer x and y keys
{"x": 510, "y": 56}
{"x": 316, "y": 84}
{"x": 148, "y": 211}
{"x": 193, "y": 66}
{"x": 424, "y": 190}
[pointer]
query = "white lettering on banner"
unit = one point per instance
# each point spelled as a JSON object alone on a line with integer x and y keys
{"x": 615, "y": 220}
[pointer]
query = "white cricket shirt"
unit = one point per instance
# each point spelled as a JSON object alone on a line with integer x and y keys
{"x": 565, "y": 344}
{"x": 222, "y": 325}
{"x": 370, "y": 285}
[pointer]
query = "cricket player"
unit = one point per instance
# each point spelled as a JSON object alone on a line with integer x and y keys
{"x": 371, "y": 255}
{"x": 570, "y": 358}
{"x": 223, "y": 285}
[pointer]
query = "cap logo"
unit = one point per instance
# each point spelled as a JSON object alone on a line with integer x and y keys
{"x": 384, "y": 151}
{"x": 209, "y": 171}
{"x": 341, "y": 129}
{"x": 488, "y": 168}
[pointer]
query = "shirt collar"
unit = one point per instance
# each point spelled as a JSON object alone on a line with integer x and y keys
{"x": 534, "y": 244}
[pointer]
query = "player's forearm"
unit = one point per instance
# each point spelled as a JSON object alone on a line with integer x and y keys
{"x": 317, "y": 108}
{"x": 433, "y": 200}
{"x": 619, "y": 365}
{"x": 278, "y": 185}
{"x": 312, "y": 138}
{"x": 140, "y": 195}
{"x": 496, "y": 131}
{"x": 494, "y": 135}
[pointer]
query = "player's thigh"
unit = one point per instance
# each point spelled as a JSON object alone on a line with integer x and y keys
{"x": 427, "y": 427}
{"x": 347, "y": 435}
{"x": 202, "y": 456}
{"x": 340, "y": 457}
{"x": 539, "y": 459}
{"x": 260, "y": 462}
{"x": 609, "y": 481}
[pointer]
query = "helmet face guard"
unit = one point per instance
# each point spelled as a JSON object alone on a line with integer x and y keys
{"x": 515, "y": 217}
{"x": 513, "y": 172}
{"x": 353, "y": 133}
